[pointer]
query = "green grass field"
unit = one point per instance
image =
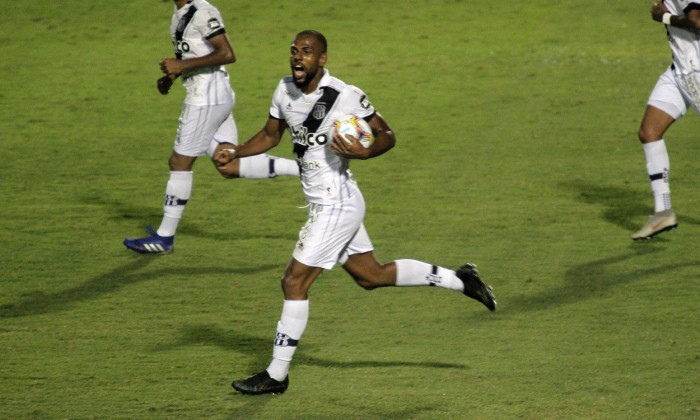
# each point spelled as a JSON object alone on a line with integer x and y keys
{"x": 516, "y": 150}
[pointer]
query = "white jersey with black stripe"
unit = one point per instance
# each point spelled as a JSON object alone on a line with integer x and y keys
{"x": 684, "y": 43}
{"x": 190, "y": 29}
{"x": 324, "y": 175}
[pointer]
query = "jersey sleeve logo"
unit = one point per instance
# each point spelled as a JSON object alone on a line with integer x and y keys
{"x": 214, "y": 24}
{"x": 364, "y": 102}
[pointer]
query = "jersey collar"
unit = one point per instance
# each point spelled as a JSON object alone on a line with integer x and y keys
{"x": 325, "y": 80}
{"x": 185, "y": 7}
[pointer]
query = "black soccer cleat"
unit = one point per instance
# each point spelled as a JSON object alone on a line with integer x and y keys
{"x": 261, "y": 383}
{"x": 474, "y": 287}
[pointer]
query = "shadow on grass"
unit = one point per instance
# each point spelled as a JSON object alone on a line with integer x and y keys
{"x": 261, "y": 349}
{"x": 38, "y": 303}
{"x": 349, "y": 408}
{"x": 596, "y": 278}
{"x": 145, "y": 215}
{"x": 624, "y": 207}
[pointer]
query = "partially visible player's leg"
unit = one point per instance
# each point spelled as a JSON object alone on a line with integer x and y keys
{"x": 177, "y": 193}
{"x": 322, "y": 239}
{"x": 196, "y": 128}
{"x": 267, "y": 166}
{"x": 654, "y": 125}
{"x": 370, "y": 274}
{"x": 296, "y": 282}
{"x": 666, "y": 104}
{"x": 254, "y": 167}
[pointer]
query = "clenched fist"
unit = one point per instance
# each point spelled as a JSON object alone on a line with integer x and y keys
{"x": 164, "y": 84}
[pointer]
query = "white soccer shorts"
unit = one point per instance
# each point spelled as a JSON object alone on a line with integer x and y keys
{"x": 674, "y": 94}
{"x": 202, "y": 128}
{"x": 333, "y": 233}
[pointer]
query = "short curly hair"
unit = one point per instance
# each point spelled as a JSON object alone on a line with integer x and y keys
{"x": 319, "y": 37}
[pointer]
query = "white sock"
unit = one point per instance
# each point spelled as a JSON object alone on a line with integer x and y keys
{"x": 417, "y": 273}
{"x": 177, "y": 192}
{"x": 266, "y": 166}
{"x": 285, "y": 167}
{"x": 658, "y": 166}
{"x": 295, "y": 314}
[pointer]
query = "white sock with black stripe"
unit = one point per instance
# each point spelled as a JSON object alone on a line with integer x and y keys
{"x": 266, "y": 166}
{"x": 177, "y": 193}
{"x": 418, "y": 273}
{"x": 658, "y": 166}
{"x": 295, "y": 314}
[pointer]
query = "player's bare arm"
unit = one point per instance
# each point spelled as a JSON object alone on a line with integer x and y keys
{"x": 261, "y": 142}
{"x": 689, "y": 21}
{"x": 222, "y": 54}
{"x": 384, "y": 140}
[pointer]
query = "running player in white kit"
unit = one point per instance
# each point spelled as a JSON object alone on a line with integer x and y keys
{"x": 202, "y": 48}
{"x": 677, "y": 89}
{"x": 307, "y": 103}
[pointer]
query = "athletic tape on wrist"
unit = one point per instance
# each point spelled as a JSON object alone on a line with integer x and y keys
{"x": 666, "y": 18}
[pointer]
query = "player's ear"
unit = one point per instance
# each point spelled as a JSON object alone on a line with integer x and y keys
{"x": 322, "y": 59}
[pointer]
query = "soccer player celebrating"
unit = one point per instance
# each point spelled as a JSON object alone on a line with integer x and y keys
{"x": 307, "y": 103}
{"x": 677, "y": 89}
{"x": 206, "y": 124}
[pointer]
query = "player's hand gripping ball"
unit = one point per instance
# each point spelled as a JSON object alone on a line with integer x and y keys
{"x": 355, "y": 127}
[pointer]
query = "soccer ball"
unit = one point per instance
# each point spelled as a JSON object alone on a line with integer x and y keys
{"x": 356, "y": 127}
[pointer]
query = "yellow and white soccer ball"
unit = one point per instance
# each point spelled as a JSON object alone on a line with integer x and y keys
{"x": 355, "y": 127}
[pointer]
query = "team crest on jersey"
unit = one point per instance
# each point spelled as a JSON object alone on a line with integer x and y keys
{"x": 214, "y": 23}
{"x": 319, "y": 111}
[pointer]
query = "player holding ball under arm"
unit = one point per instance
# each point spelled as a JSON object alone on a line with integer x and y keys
{"x": 307, "y": 103}
{"x": 206, "y": 124}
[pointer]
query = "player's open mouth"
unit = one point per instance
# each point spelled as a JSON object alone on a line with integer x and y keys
{"x": 298, "y": 71}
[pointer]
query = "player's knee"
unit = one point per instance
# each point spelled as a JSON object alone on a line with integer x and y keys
{"x": 293, "y": 287}
{"x": 648, "y": 135}
{"x": 366, "y": 284}
{"x": 227, "y": 172}
{"x": 178, "y": 162}
{"x": 371, "y": 276}
{"x": 642, "y": 135}
{"x": 230, "y": 170}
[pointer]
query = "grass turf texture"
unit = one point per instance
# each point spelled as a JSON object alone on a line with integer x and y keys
{"x": 516, "y": 150}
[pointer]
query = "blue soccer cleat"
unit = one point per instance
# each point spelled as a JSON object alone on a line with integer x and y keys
{"x": 151, "y": 244}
